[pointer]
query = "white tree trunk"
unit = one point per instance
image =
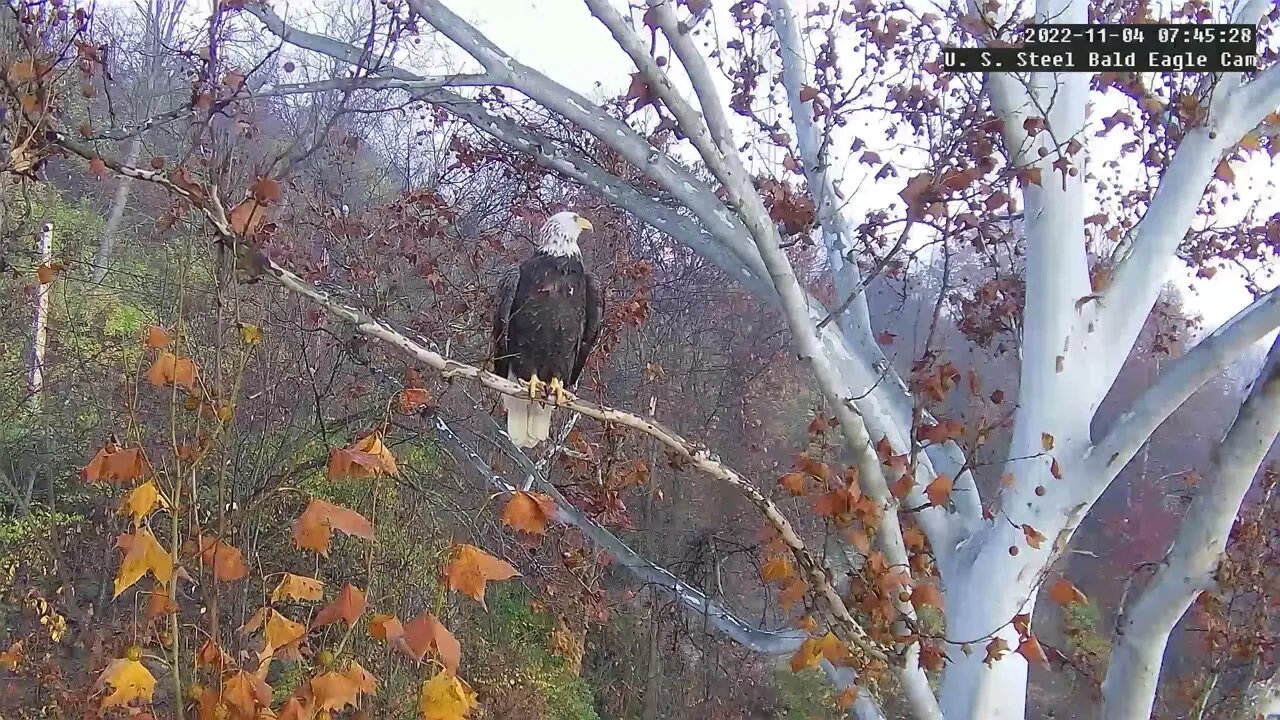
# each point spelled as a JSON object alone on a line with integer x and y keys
{"x": 39, "y": 322}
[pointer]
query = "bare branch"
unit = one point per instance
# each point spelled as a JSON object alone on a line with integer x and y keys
{"x": 1129, "y": 689}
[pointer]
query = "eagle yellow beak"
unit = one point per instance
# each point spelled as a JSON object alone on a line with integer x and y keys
{"x": 584, "y": 223}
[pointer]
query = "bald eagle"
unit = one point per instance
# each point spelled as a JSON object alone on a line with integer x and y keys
{"x": 545, "y": 323}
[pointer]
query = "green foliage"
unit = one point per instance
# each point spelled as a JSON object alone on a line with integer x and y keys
{"x": 804, "y": 695}
{"x": 521, "y": 638}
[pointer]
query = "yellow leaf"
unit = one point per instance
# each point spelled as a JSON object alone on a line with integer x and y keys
{"x": 445, "y": 697}
{"x": 298, "y": 587}
{"x": 335, "y": 691}
{"x": 143, "y": 553}
{"x": 281, "y": 631}
{"x": 807, "y": 656}
{"x": 129, "y": 680}
{"x": 140, "y": 502}
{"x": 250, "y": 334}
{"x": 10, "y": 658}
{"x": 472, "y": 567}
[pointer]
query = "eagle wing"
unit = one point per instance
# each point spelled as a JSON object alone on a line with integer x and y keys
{"x": 591, "y": 327}
{"x": 503, "y": 296}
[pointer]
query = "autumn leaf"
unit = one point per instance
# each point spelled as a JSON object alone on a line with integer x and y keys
{"x": 385, "y": 627}
{"x": 426, "y": 632}
{"x": 996, "y": 649}
{"x": 1055, "y": 469}
{"x": 213, "y": 656}
{"x": 1046, "y": 441}
{"x": 297, "y": 587}
{"x": 156, "y": 337}
{"x": 245, "y": 693}
{"x": 247, "y": 217}
{"x": 171, "y": 369}
{"x": 528, "y": 512}
{"x": 98, "y": 167}
{"x": 366, "y": 458}
{"x": 445, "y": 697}
{"x": 314, "y": 527}
{"x": 794, "y": 482}
{"x": 364, "y": 681}
{"x": 335, "y": 691}
{"x": 9, "y": 659}
{"x": 266, "y": 190}
{"x": 1030, "y": 650}
{"x": 348, "y": 607}
{"x": 939, "y": 490}
{"x": 250, "y": 334}
{"x": 1224, "y": 173}
{"x": 226, "y": 560}
{"x": 140, "y": 502}
{"x": 777, "y": 570}
{"x": 793, "y": 593}
{"x": 410, "y": 400}
{"x": 1034, "y": 538}
{"x": 143, "y": 554}
{"x": 1064, "y": 593}
{"x": 281, "y": 631}
{"x": 129, "y": 680}
{"x": 23, "y": 71}
{"x": 926, "y": 594}
{"x": 114, "y": 464}
{"x": 847, "y": 697}
{"x": 807, "y": 656}
{"x": 472, "y": 567}
{"x": 46, "y": 271}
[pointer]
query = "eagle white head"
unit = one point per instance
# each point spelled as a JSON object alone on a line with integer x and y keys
{"x": 559, "y": 234}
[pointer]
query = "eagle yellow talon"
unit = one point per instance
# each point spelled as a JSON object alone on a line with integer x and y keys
{"x": 535, "y": 387}
{"x": 556, "y": 389}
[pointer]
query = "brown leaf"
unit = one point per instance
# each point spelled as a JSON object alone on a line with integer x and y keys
{"x": 1055, "y": 469}
{"x": 1034, "y": 538}
{"x": 1030, "y": 649}
{"x": 528, "y": 512}
{"x": 98, "y": 168}
{"x": 996, "y": 649}
{"x": 226, "y": 560}
{"x": 1046, "y": 441}
{"x": 926, "y": 594}
{"x": 266, "y": 190}
{"x": 314, "y": 527}
{"x": 794, "y": 482}
{"x": 348, "y": 606}
{"x": 1224, "y": 172}
{"x": 777, "y": 570}
{"x": 424, "y": 633}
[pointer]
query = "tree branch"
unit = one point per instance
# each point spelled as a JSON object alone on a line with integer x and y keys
{"x": 1184, "y": 377}
{"x": 1143, "y": 631}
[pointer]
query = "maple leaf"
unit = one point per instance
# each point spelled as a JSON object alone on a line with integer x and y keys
{"x": 847, "y": 697}
{"x": 528, "y": 512}
{"x": 410, "y": 400}
{"x": 140, "y": 502}
{"x": 794, "y": 482}
{"x": 266, "y": 190}
{"x": 472, "y": 567}
{"x": 280, "y": 631}
{"x": 171, "y": 369}
{"x": 297, "y": 708}
{"x": 114, "y": 464}
{"x": 9, "y": 659}
{"x": 807, "y": 656}
{"x": 245, "y": 693}
{"x": 226, "y": 560}
{"x": 1030, "y": 650}
{"x": 940, "y": 489}
{"x": 426, "y": 632}
{"x": 46, "y": 271}
{"x": 335, "y": 691}
{"x": 211, "y": 655}
{"x": 156, "y": 337}
{"x": 1046, "y": 441}
{"x": 129, "y": 680}
{"x": 314, "y": 527}
{"x": 996, "y": 649}
{"x": 297, "y": 587}
{"x": 445, "y": 697}
{"x": 385, "y": 627}
{"x": 1034, "y": 538}
{"x": 926, "y": 594}
{"x": 777, "y": 570}
{"x": 1064, "y": 593}
{"x": 142, "y": 554}
{"x": 348, "y": 606}
{"x": 364, "y": 680}
{"x": 366, "y": 458}
{"x": 793, "y": 593}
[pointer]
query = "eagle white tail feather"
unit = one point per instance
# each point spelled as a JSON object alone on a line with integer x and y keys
{"x": 528, "y": 423}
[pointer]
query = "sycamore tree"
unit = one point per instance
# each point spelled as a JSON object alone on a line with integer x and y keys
{"x": 806, "y": 150}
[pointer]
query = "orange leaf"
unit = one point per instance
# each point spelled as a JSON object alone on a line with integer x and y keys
{"x": 156, "y": 337}
{"x": 297, "y": 587}
{"x": 939, "y": 490}
{"x": 334, "y": 691}
{"x": 1030, "y": 649}
{"x": 1055, "y": 469}
{"x": 9, "y": 659}
{"x": 794, "y": 482}
{"x": 385, "y": 627}
{"x": 364, "y": 681}
{"x": 529, "y": 512}
{"x": 411, "y": 399}
{"x": 1064, "y": 593}
{"x": 366, "y": 458}
{"x": 266, "y": 190}
{"x": 245, "y": 693}
{"x": 171, "y": 369}
{"x": 424, "y": 633}
{"x": 113, "y": 464}
{"x": 847, "y": 697}
{"x": 348, "y": 606}
{"x": 46, "y": 271}
{"x": 776, "y": 570}
{"x": 314, "y": 527}
{"x": 247, "y": 217}
{"x": 472, "y": 567}
{"x": 793, "y": 593}
{"x": 142, "y": 554}
{"x": 926, "y": 594}
{"x": 23, "y": 71}
{"x": 97, "y": 166}
{"x": 226, "y": 560}
{"x": 807, "y": 656}
{"x": 281, "y": 631}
